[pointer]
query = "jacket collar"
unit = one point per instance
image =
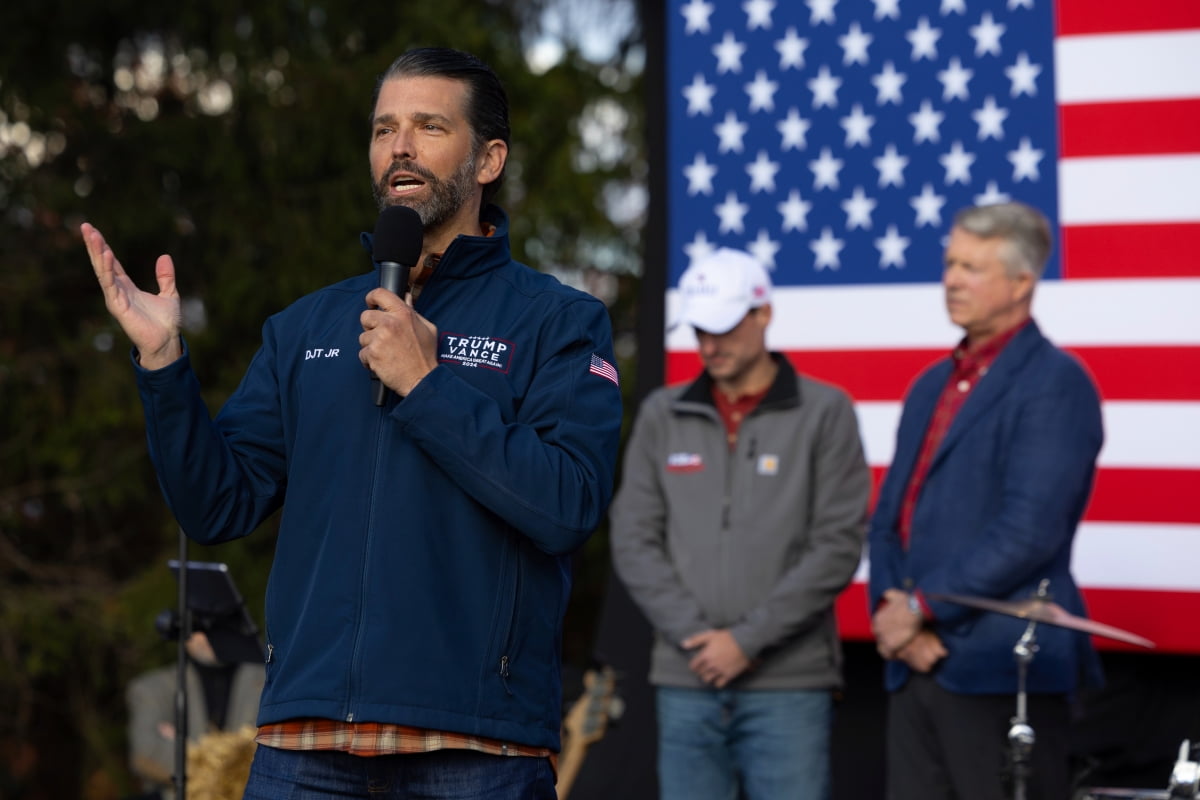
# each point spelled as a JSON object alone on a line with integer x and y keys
{"x": 467, "y": 256}
{"x": 784, "y": 391}
{"x": 1003, "y": 375}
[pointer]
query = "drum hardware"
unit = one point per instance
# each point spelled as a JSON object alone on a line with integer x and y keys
{"x": 1185, "y": 777}
{"x": 1040, "y": 608}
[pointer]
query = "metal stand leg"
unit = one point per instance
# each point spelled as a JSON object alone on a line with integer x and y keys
{"x": 1021, "y": 736}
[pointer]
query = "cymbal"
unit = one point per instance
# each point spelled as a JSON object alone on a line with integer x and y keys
{"x": 1042, "y": 610}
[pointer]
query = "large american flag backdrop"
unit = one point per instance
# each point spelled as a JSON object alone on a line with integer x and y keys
{"x": 835, "y": 141}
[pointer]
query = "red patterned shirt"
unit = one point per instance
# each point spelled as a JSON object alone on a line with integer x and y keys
{"x": 969, "y": 367}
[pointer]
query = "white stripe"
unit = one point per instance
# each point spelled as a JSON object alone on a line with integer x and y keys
{"x": 1136, "y": 66}
{"x": 1166, "y": 557}
{"x": 1159, "y": 311}
{"x": 1129, "y": 190}
{"x": 1137, "y": 435}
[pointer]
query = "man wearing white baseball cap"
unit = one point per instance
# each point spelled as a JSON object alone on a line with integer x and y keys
{"x": 740, "y": 518}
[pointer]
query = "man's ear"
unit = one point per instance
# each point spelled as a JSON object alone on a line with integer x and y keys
{"x": 1023, "y": 285}
{"x": 495, "y": 154}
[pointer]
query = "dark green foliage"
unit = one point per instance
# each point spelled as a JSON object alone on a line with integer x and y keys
{"x": 258, "y": 204}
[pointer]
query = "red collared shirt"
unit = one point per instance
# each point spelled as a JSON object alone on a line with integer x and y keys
{"x": 969, "y": 368}
{"x": 734, "y": 411}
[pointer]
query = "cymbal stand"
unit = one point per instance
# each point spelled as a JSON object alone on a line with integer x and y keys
{"x": 1021, "y": 736}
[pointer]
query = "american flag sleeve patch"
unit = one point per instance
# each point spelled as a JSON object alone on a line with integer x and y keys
{"x": 604, "y": 369}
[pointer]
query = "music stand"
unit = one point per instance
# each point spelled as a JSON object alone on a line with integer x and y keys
{"x": 209, "y": 602}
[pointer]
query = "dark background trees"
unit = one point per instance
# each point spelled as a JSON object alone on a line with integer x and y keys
{"x": 234, "y": 138}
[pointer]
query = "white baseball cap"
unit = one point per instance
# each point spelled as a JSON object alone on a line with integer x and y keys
{"x": 719, "y": 289}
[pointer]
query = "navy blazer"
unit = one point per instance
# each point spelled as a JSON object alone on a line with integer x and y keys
{"x": 997, "y": 514}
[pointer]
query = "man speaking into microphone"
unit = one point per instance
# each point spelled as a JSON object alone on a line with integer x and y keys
{"x": 421, "y": 573}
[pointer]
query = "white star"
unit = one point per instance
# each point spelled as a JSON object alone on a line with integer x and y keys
{"x": 891, "y": 248}
{"x": 887, "y": 8}
{"x": 699, "y": 94}
{"x": 825, "y": 170}
{"x": 826, "y": 250}
{"x": 731, "y": 213}
{"x": 762, "y": 173}
{"x": 954, "y": 80}
{"x": 1025, "y": 160}
{"x": 824, "y": 88}
{"x": 923, "y": 40}
{"x": 822, "y": 11}
{"x": 928, "y": 205}
{"x": 887, "y": 85}
{"x": 758, "y": 13}
{"x": 959, "y": 6}
{"x": 990, "y": 119}
{"x": 794, "y": 130}
{"x": 854, "y": 45}
{"x": 762, "y": 92}
{"x": 764, "y": 248}
{"x": 730, "y": 132}
{"x": 925, "y": 123}
{"x": 699, "y": 247}
{"x": 987, "y": 35}
{"x": 794, "y": 212}
{"x": 697, "y": 13}
{"x": 891, "y": 167}
{"x": 858, "y": 209}
{"x": 857, "y": 127}
{"x": 700, "y": 174}
{"x": 957, "y": 164}
{"x": 1014, "y": 4}
{"x": 791, "y": 50}
{"x": 1023, "y": 76}
{"x": 729, "y": 54}
{"x": 991, "y": 195}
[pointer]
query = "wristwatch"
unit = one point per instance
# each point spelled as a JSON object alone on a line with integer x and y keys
{"x": 914, "y": 605}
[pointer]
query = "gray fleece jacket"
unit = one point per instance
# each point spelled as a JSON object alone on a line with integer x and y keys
{"x": 759, "y": 540}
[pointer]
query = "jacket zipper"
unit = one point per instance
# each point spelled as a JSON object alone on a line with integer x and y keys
{"x": 510, "y": 631}
{"x": 355, "y": 651}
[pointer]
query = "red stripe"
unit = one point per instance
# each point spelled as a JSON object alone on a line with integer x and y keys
{"x": 1129, "y": 251}
{"x": 1143, "y": 373}
{"x": 1145, "y": 495}
{"x": 1166, "y": 618}
{"x": 1126, "y": 495}
{"x": 1120, "y": 16}
{"x": 1145, "y": 127}
{"x": 1122, "y": 373}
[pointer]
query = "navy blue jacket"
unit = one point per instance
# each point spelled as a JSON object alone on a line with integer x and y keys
{"x": 997, "y": 514}
{"x": 421, "y": 572}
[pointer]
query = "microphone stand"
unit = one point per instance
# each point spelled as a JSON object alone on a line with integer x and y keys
{"x": 181, "y": 698}
{"x": 1021, "y": 736}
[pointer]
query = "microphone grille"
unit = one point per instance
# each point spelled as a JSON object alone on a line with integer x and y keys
{"x": 398, "y": 236}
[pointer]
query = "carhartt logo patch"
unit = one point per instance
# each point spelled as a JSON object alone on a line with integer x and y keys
{"x": 768, "y": 464}
{"x": 685, "y": 462}
{"x": 475, "y": 351}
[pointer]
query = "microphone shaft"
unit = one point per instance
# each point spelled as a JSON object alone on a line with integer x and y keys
{"x": 394, "y": 278}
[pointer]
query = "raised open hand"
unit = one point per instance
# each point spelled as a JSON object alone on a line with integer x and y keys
{"x": 151, "y": 321}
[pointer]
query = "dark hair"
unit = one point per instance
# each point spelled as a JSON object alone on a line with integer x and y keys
{"x": 487, "y": 104}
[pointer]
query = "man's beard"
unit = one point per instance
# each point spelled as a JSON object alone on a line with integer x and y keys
{"x": 445, "y": 198}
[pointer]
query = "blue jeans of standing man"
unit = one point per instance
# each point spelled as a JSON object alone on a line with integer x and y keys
{"x": 440, "y": 775}
{"x": 775, "y": 742}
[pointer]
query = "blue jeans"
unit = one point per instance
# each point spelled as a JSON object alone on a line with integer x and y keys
{"x": 440, "y": 775}
{"x": 775, "y": 742}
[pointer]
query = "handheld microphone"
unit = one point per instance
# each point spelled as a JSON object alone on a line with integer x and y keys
{"x": 396, "y": 247}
